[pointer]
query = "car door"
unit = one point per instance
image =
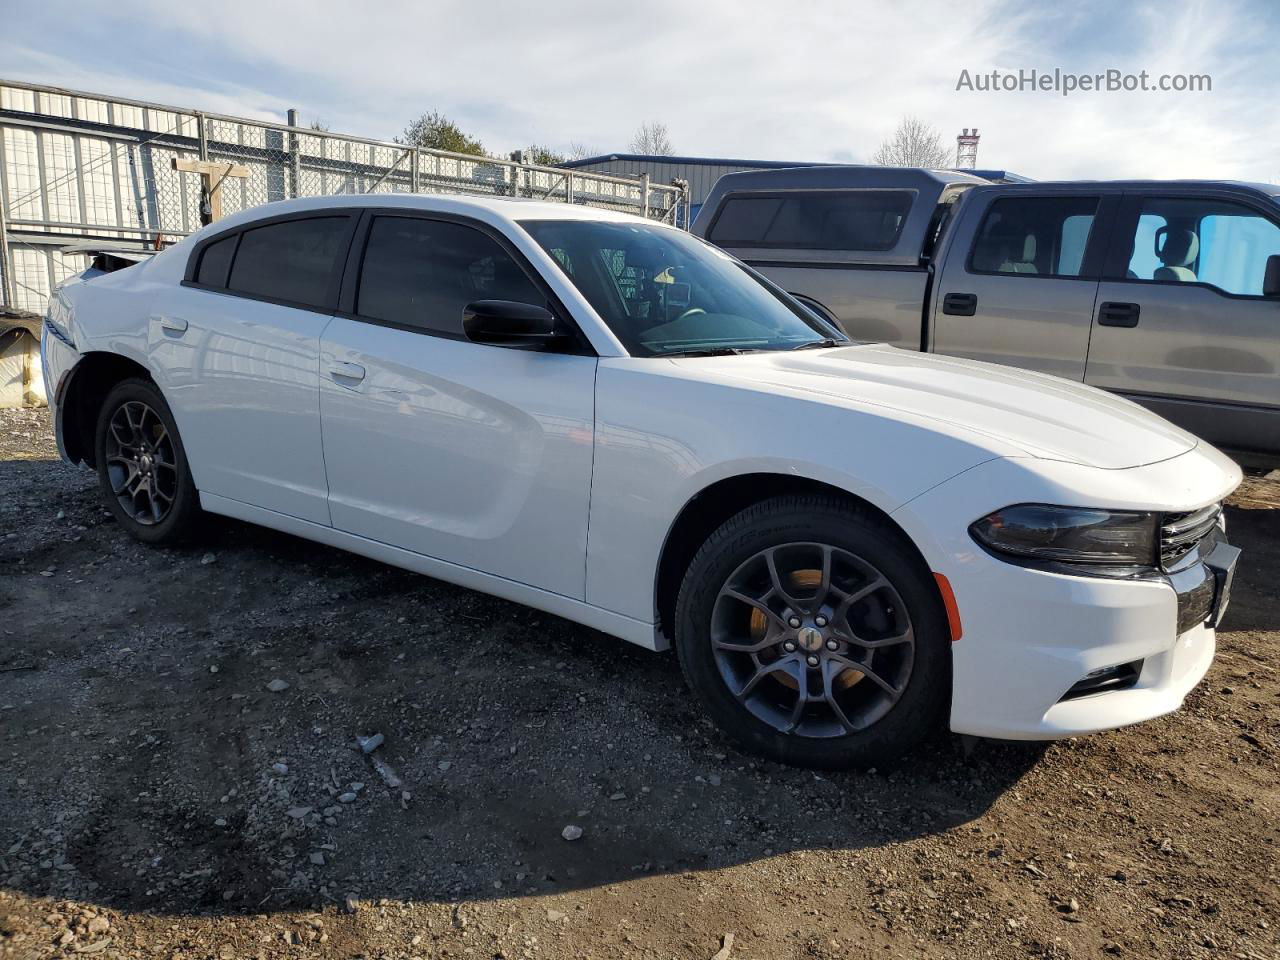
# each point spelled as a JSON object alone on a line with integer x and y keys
{"x": 1019, "y": 279}
{"x": 1182, "y": 323}
{"x": 239, "y": 342}
{"x": 475, "y": 454}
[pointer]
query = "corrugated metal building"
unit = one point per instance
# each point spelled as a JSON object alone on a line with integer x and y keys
{"x": 700, "y": 172}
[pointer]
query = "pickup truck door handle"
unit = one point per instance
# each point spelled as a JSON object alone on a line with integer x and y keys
{"x": 1112, "y": 314}
{"x": 172, "y": 324}
{"x": 960, "y": 304}
{"x": 341, "y": 371}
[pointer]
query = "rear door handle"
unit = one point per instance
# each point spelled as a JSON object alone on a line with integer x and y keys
{"x": 960, "y": 304}
{"x": 341, "y": 370}
{"x": 1112, "y": 314}
{"x": 173, "y": 324}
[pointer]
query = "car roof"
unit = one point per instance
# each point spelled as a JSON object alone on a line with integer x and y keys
{"x": 498, "y": 211}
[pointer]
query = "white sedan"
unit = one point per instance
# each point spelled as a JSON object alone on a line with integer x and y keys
{"x": 848, "y": 545}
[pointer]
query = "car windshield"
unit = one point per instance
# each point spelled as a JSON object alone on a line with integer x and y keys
{"x": 665, "y": 293}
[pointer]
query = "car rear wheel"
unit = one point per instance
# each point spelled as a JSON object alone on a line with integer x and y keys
{"x": 142, "y": 467}
{"x": 813, "y": 634}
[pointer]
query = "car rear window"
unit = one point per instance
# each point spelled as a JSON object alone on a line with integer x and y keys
{"x": 293, "y": 260}
{"x": 215, "y": 261}
{"x": 813, "y": 220}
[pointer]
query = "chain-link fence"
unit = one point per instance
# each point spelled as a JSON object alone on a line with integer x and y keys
{"x": 84, "y": 167}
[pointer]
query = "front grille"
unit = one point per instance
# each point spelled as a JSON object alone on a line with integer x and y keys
{"x": 1182, "y": 533}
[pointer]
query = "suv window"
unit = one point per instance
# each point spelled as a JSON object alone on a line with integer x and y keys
{"x": 293, "y": 260}
{"x": 818, "y": 220}
{"x": 1190, "y": 240}
{"x": 1036, "y": 236}
{"x": 422, "y": 273}
{"x": 215, "y": 262}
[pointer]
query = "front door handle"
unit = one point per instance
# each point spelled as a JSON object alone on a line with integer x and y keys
{"x": 960, "y": 304}
{"x": 1112, "y": 314}
{"x": 173, "y": 324}
{"x": 341, "y": 370}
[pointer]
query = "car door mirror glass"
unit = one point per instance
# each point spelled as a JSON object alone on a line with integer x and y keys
{"x": 509, "y": 323}
{"x": 1271, "y": 278}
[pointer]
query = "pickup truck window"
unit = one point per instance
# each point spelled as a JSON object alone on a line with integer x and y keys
{"x": 813, "y": 220}
{"x": 1202, "y": 240}
{"x": 1034, "y": 236}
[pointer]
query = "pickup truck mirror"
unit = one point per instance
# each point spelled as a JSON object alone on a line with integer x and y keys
{"x": 508, "y": 323}
{"x": 1271, "y": 279}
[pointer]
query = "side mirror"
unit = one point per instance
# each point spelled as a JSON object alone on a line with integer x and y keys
{"x": 508, "y": 323}
{"x": 1271, "y": 279}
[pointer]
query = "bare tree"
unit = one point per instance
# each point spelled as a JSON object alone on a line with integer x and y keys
{"x": 914, "y": 144}
{"x": 652, "y": 140}
{"x": 580, "y": 151}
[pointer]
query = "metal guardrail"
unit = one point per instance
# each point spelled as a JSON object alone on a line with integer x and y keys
{"x": 84, "y": 166}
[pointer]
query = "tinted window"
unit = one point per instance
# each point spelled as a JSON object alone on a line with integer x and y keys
{"x": 663, "y": 292}
{"x": 215, "y": 261}
{"x": 1190, "y": 240}
{"x": 421, "y": 273}
{"x": 1038, "y": 236}
{"x": 294, "y": 260}
{"x": 825, "y": 220}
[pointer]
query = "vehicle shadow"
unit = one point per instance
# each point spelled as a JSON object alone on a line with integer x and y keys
{"x": 1253, "y": 525}
{"x": 151, "y": 767}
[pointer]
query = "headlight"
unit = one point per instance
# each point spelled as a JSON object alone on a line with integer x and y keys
{"x": 1112, "y": 542}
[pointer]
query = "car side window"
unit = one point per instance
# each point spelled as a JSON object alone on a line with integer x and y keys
{"x": 292, "y": 260}
{"x": 1034, "y": 236}
{"x": 215, "y": 262}
{"x": 422, "y": 273}
{"x": 1202, "y": 240}
{"x": 816, "y": 220}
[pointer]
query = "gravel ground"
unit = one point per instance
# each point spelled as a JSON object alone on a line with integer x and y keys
{"x": 180, "y": 778}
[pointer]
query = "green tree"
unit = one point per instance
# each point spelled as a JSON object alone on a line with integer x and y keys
{"x": 543, "y": 156}
{"x": 437, "y": 132}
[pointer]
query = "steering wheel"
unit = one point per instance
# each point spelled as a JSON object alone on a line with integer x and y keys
{"x": 691, "y": 312}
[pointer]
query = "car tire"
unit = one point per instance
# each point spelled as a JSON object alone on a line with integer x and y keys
{"x": 801, "y": 543}
{"x": 142, "y": 465}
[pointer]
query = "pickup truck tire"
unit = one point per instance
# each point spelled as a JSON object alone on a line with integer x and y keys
{"x": 794, "y": 594}
{"x": 142, "y": 467}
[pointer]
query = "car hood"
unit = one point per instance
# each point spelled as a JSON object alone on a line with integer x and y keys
{"x": 1045, "y": 416}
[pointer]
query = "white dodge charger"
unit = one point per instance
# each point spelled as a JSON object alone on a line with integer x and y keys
{"x": 608, "y": 419}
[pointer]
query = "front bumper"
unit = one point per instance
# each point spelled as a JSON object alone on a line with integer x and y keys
{"x": 1030, "y": 635}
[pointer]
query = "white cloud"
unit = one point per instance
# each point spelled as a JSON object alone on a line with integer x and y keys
{"x": 812, "y": 79}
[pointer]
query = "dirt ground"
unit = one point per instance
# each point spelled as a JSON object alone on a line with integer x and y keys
{"x": 162, "y": 796}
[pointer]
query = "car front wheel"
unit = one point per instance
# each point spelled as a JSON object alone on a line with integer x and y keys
{"x": 142, "y": 467}
{"x": 813, "y": 634}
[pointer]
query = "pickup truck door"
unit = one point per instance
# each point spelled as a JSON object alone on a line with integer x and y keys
{"x": 1182, "y": 325}
{"x": 473, "y": 454}
{"x": 1019, "y": 279}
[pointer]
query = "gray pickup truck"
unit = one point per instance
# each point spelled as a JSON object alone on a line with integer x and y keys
{"x": 1165, "y": 292}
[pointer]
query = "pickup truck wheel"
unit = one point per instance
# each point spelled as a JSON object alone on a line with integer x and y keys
{"x": 142, "y": 467}
{"x": 813, "y": 634}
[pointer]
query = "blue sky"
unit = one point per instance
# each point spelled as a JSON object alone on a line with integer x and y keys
{"x": 805, "y": 80}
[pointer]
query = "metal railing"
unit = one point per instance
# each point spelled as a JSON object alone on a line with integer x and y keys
{"x": 78, "y": 166}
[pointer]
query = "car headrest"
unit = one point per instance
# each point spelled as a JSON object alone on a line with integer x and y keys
{"x": 1177, "y": 247}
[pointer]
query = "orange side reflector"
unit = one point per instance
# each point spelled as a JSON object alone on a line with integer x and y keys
{"x": 949, "y": 601}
